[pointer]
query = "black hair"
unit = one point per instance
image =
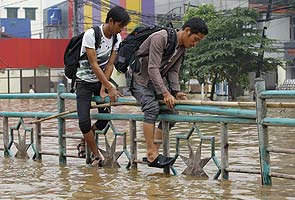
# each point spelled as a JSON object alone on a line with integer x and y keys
{"x": 118, "y": 14}
{"x": 197, "y": 25}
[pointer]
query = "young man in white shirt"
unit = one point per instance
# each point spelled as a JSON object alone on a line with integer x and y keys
{"x": 94, "y": 74}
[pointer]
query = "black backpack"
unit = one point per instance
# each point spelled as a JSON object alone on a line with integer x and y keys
{"x": 126, "y": 52}
{"x": 72, "y": 54}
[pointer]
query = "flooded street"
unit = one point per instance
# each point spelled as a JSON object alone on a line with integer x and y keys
{"x": 46, "y": 179}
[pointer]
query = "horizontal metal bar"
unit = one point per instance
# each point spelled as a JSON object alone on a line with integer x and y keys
{"x": 278, "y": 121}
{"x": 139, "y": 161}
{"x": 194, "y": 102}
{"x": 48, "y": 135}
{"x": 139, "y": 117}
{"x": 49, "y": 153}
{"x": 64, "y": 136}
{"x": 217, "y": 110}
{"x": 73, "y": 136}
{"x": 107, "y": 99}
{"x": 143, "y": 140}
{"x": 280, "y": 150}
{"x": 247, "y": 171}
{"x": 274, "y": 94}
{"x": 280, "y": 175}
{"x": 71, "y": 155}
{"x": 272, "y": 174}
{"x": 29, "y": 96}
{"x": 27, "y": 114}
{"x": 206, "y": 119}
{"x": 57, "y": 154}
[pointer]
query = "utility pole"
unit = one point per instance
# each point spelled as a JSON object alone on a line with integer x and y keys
{"x": 76, "y": 28}
{"x": 260, "y": 56}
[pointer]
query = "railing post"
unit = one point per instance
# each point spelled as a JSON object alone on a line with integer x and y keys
{"x": 38, "y": 141}
{"x": 6, "y": 137}
{"x": 261, "y": 110}
{"x": 133, "y": 144}
{"x": 61, "y": 125}
{"x": 224, "y": 151}
{"x": 165, "y": 141}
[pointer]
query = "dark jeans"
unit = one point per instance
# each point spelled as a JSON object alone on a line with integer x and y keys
{"x": 84, "y": 93}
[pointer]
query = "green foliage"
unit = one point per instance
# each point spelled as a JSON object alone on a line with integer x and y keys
{"x": 206, "y": 12}
{"x": 230, "y": 50}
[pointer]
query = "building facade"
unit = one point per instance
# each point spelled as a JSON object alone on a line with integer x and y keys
{"x": 22, "y": 18}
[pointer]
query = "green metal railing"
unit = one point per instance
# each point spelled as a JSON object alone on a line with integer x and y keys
{"x": 221, "y": 115}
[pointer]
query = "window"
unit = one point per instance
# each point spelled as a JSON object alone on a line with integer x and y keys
{"x": 12, "y": 12}
{"x": 30, "y": 13}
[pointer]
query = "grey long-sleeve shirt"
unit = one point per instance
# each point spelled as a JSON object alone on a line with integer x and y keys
{"x": 151, "y": 65}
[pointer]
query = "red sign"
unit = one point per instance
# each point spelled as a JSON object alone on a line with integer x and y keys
{"x": 32, "y": 53}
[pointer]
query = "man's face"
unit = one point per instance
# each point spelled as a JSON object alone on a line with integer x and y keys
{"x": 191, "y": 40}
{"x": 117, "y": 27}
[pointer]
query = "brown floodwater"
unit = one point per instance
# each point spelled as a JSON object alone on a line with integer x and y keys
{"x": 47, "y": 179}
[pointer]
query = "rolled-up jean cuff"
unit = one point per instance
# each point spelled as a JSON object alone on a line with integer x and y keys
{"x": 149, "y": 121}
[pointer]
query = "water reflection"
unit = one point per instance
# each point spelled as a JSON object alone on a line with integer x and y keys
{"x": 28, "y": 179}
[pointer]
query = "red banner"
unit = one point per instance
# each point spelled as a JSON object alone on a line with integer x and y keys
{"x": 32, "y": 53}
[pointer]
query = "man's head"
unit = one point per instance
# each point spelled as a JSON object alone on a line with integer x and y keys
{"x": 117, "y": 18}
{"x": 194, "y": 30}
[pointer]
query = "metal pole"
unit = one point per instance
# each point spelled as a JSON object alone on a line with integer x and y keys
{"x": 133, "y": 144}
{"x": 224, "y": 151}
{"x": 260, "y": 57}
{"x": 61, "y": 125}
{"x": 38, "y": 140}
{"x": 262, "y": 133}
{"x": 76, "y": 29}
{"x": 166, "y": 146}
{"x": 5, "y": 137}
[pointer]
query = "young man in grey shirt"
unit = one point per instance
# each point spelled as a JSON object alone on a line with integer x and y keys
{"x": 148, "y": 85}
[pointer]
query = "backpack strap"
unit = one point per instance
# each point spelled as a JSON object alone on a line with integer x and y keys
{"x": 115, "y": 40}
{"x": 179, "y": 54}
{"x": 171, "y": 42}
{"x": 97, "y": 34}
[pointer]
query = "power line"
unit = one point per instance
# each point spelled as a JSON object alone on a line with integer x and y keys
{"x": 13, "y": 3}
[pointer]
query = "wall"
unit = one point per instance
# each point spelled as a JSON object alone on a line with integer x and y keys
{"x": 36, "y": 25}
{"x": 91, "y": 13}
{"x": 20, "y": 28}
{"x": 39, "y": 53}
{"x": 66, "y": 29}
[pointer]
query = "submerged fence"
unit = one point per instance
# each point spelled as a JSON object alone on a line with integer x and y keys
{"x": 223, "y": 113}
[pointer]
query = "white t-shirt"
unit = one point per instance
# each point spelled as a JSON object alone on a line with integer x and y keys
{"x": 103, "y": 53}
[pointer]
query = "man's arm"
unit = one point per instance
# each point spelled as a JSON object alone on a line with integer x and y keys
{"x": 113, "y": 93}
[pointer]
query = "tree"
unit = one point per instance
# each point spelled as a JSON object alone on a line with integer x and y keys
{"x": 230, "y": 50}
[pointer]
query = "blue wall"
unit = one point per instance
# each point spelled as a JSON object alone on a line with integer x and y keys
{"x": 20, "y": 28}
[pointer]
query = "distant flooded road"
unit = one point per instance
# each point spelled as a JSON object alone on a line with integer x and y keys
{"x": 46, "y": 179}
